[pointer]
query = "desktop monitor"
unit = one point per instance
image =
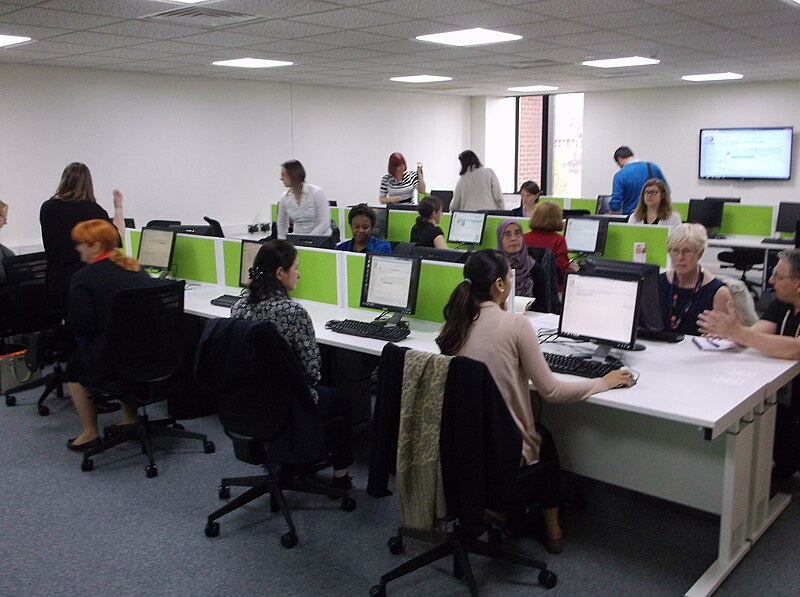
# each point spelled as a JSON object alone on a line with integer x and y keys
{"x": 788, "y": 215}
{"x": 586, "y": 234}
{"x": 725, "y": 199}
{"x": 466, "y": 228}
{"x": 402, "y": 206}
{"x": 707, "y": 213}
{"x": 312, "y": 240}
{"x": 390, "y": 283}
{"x": 445, "y": 197}
{"x": 196, "y": 229}
{"x": 381, "y": 222}
{"x": 435, "y": 254}
{"x": 576, "y": 213}
{"x": 156, "y": 248}
{"x": 601, "y": 309}
{"x": 248, "y": 256}
{"x": 509, "y": 213}
{"x": 650, "y": 313}
{"x": 603, "y": 204}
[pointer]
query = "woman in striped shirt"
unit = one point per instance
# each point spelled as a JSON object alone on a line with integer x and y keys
{"x": 398, "y": 185}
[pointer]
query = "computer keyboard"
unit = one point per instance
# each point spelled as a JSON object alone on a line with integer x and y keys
{"x": 225, "y": 300}
{"x": 778, "y": 241}
{"x": 582, "y": 366}
{"x": 368, "y": 329}
{"x": 659, "y": 335}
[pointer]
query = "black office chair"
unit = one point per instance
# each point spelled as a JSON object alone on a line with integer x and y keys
{"x": 214, "y": 228}
{"x": 545, "y": 281}
{"x": 50, "y": 343}
{"x": 744, "y": 260}
{"x": 146, "y": 349}
{"x": 479, "y": 446}
{"x": 266, "y": 408}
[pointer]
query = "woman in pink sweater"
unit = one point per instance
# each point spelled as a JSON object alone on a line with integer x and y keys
{"x": 478, "y": 326}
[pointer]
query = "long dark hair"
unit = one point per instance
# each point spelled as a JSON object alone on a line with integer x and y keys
{"x": 427, "y": 207}
{"x": 469, "y": 161}
{"x": 76, "y": 183}
{"x": 272, "y": 255}
{"x": 463, "y": 307}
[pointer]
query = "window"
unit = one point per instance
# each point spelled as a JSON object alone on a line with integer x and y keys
{"x": 567, "y": 144}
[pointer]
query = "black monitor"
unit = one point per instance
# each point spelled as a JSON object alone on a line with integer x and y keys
{"x": 156, "y": 248}
{"x": 725, "y": 199}
{"x": 381, "y": 222}
{"x": 312, "y": 240}
{"x": 586, "y": 234}
{"x": 466, "y": 227}
{"x": 788, "y": 215}
{"x": 576, "y": 213}
{"x": 250, "y": 249}
{"x": 601, "y": 309}
{"x": 196, "y": 229}
{"x": 390, "y": 283}
{"x": 436, "y": 254}
{"x": 707, "y": 213}
{"x": 603, "y": 204}
{"x": 650, "y": 314}
{"x": 445, "y": 197}
{"x": 129, "y": 223}
{"x": 403, "y": 206}
{"x": 509, "y": 213}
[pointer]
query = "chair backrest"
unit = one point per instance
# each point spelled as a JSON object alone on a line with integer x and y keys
{"x": 146, "y": 332}
{"x": 27, "y": 294}
{"x": 545, "y": 281}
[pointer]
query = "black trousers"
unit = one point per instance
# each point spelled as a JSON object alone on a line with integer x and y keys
{"x": 334, "y": 408}
{"x": 540, "y": 483}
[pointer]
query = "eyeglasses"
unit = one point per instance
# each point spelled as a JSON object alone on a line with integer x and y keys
{"x": 512, "y": 233}
{"x": 778, "y": 277}
{"x": 652, "y": 192}
{"x": 684, "y": 251}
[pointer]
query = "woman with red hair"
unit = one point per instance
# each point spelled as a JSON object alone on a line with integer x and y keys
{"x": 398, "y": 185}
{"x": 107, "y": 271}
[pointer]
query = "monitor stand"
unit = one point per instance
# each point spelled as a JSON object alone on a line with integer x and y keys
{"x": 394, "y": 320}
{"x": 157, "y": 273}
{"x": 602, "y": 351}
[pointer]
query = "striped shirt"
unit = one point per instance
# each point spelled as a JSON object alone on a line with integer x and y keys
{"x": 391, "y": 187}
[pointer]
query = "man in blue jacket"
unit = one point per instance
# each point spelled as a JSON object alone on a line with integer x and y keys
{"x": 629, "y": 181}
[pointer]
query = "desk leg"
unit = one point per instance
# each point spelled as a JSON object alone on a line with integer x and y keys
{"x": 764, "y": 511}
{"x": 733, "y": 544}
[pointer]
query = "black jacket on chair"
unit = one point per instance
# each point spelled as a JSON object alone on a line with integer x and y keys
{"x": 479, "y": 441}
{"x": 240, "y": 359}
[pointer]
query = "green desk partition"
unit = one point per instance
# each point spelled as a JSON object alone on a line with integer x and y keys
{"x": 232, "y": 259}
{"x": 755, "y": 220}
{"x": 590, "y": 204}
{"x": 682, "y": 209}
{"x": 195, "y": 258}
{"x": 436, "y": 283}
{"x": 559, "y": 200}
{"x": 620, "y": 239}
{"x": 318, "y": 276}
{"x": 399, "y": 223}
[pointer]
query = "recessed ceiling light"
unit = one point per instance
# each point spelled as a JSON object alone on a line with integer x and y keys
{"x": 10, "y": 40}
{"x": 469, "y": 37}
{"x": 713, "y": 76}
{"x": 421, "y": 79}
{"x": 251, "y": 63}
{"x": 621, "y": 62}
{"x": 533, "y": 88}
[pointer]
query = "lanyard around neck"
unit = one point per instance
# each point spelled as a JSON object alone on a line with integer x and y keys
{"x": 674, "y": 320}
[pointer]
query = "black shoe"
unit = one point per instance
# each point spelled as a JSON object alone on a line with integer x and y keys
{"x": 345, "y": 483}
{"x": 92, "y": 443}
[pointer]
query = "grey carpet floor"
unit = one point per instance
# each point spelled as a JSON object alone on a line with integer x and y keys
{"x": 113, "y": 531}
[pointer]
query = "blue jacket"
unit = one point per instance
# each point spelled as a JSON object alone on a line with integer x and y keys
{"x": 375, "y": 245}
{"x": 628, "y": 185}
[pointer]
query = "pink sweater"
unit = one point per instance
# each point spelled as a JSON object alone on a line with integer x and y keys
{"x": 507, "y": 344}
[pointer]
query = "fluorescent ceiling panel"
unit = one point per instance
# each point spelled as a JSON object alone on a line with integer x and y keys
{"x": 469, "y": 37}
{"x": 10, "y": 40}
{"x": 713, "y": 76}
{"x": 251, "y": 63}
{"x": 421, "y": 79}
{"x": 621, "y": 62}
{"x": 533, "y": 88}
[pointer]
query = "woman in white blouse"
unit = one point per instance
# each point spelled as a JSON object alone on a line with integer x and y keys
{"x": 655, "y": 205}
{"x": 303, "y": 204}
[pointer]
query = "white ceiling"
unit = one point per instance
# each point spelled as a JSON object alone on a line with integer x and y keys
{"x": 361, "y": 43}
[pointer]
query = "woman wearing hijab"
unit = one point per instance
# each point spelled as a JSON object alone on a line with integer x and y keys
{"x": 510, "y": 242}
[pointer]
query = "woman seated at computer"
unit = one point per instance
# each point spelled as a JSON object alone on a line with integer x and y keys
{"x": 107, "y": 271}
{"x": 529, "y": 193}
{"x": 399, "y": 184}
{"x": 426, "y": 232}
{"x": 545, "y": 223}
{"x": 478, "y": 326}
{"x": 362, "y": 220}
{"x": 477, "y": 186}
{"x": 687, "y": 289}
{"x": 303, "y": 204}
{"x": 511, "y": 244}
{"x": 274, "y": 274}
{"x": 655, "y": 206}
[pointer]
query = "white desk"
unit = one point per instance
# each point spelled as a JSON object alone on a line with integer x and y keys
{"x": 697, "y": 429}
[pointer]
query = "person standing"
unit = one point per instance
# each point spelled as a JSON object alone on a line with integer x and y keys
{"x": 398, "y": 185}
{"x": 477, "y": 188}
{"x": 303, "y": 204}
{"x": 630, "y": 180}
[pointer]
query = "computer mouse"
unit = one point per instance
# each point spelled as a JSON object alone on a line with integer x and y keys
{"x": 330, "y": 323}
{"x": 632, "y": 374}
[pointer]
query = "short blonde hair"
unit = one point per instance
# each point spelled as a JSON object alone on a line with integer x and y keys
{"x": 3, "y": 205}
{"x": 547, "y": 217}
{"x": 692, "y": 233}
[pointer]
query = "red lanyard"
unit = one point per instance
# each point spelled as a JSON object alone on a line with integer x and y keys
{"x": 102, "y": 256}
{"x": 674, "y": 320}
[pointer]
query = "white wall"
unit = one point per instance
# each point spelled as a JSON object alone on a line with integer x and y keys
{"x": 663, "y": 125}
{"x": 185, "y": 147}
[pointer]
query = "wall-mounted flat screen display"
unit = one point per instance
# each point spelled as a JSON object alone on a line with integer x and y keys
{"x": 746, "y": 153}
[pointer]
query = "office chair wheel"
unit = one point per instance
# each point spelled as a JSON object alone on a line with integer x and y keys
{"x": 178, "y": 426}
{"x": 11, "y": 400}
{"x": 224, "y": 492}
{"x": 209, "y": 447}
{"x": 87, "y": 465}
{"x": 396, "y": 545}
{"x": 377, "y": 591}
{"x": 494, "y": 536}
{"x": 289, "y": 540}
{"x": 43, "y": 410}
{"x": 151, "y": 470}
{"x": 548, "y": 579}
{"x": 212, "y": 529}
{"x": 348, "y": 504}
